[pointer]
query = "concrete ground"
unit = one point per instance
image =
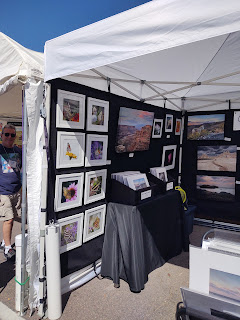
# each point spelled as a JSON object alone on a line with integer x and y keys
{"x": 98, "y": 299}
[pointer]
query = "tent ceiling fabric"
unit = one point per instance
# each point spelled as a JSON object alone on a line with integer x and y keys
{"x": 161, "y": 49}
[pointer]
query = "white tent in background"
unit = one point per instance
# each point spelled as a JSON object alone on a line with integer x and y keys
{"x": 21, "y": 88}
{"x": 183, "y": 52}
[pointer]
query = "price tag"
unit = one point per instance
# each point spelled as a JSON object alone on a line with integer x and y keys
{"x": 146, "y": 194}
{"x": 169, "y": 186}
{"x": 227, "y": 139}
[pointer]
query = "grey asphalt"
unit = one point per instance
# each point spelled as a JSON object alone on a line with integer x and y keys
{"x": 98, "y": 299}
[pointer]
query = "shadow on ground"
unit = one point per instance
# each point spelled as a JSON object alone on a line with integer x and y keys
{"x": 7, "y": 272}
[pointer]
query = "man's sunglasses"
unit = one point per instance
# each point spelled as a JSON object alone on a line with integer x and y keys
{"x": 7, "y": 134}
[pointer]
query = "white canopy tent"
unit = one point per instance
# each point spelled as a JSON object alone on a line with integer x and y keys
{"x": 173, "y": 51}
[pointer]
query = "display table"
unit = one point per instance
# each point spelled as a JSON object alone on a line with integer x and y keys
{"x": 139, "y": 239}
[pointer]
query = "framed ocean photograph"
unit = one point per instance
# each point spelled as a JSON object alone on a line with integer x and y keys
{"x": 68, "y": 191}
{"x": 134, "y": 130}
{"x": 137, "y": 181}
{"x": 97, "y": 115}
{"x": 157, "y": 128}
{"x": 206, "y": 127}
{"x": 216, "y": 188}
{"x": 169, "y": 156}
{"x": 70, "y": 112}
{"x": 70, "y": 149}
{"x": 95, "y": 185}
{"x": 96, "y": 153}
{"x": 169, "y": 123}
{"x": 71, "y": 229}
{"x": 94, "y": 222}
{"x": 178, "y": 127}
{"x": 217, "y": 158}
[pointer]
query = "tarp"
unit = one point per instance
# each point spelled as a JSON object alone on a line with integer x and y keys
{"x": 165, "y": 49}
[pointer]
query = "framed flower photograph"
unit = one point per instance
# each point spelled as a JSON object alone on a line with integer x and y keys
{"x": 68, "y": 191}
{"x": 96, "y": 153}
{"x": 178, "y": 127}
{"x": 95, "y": 185}
{"x": 70, "y": 149}
{"x": 70, "y": 111}
{"x": 94, "y": 222}
{"x": 97, "y": 115}
{"x": 169, "y": 156}
{"x": 71, "y": 229}
{"x": 169, "y": 123}
{"x": 157, "y": 128}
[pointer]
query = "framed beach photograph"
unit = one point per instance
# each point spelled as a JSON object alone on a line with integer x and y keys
{"x": 94, "y": 222}
{"x": 68, "y": 191}
{"x": 137, "y": 181}
{"x": 95, "y": 185}
{"x": 157, "y": 128}
{"x": 178, "y": 127}
{"x": 217, "y": 158}
{"x": 96, "y": 153}
{"x": 169, "y": 123}
{"x": 70, "y": 112}
{"x": 70, "y": 149}
{"x": 71, "y": 229}
{"x": 206, "y": 127}
{"x": 169, "y": 156}
{"x": 97, "y": 115}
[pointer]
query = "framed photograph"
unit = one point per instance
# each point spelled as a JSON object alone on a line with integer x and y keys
{"x": 138, "y": 181}
{"x": 70, "y": 149}
{"x": 178, "y": 127}
{"x": 96, "y": 154}
{"x": 169, "y": 156}
{"x": 68, "y": 191}
{"x": 206, "y": 127}
{"x": 70, "y": 111}
{"x": 71, "y": 229}
{"x": 97, "y": 115}
{"x": 161, "y": 173}
{"x": 169, "y": 123}
{"x": 95, "y": 185}
{"x": 157, "y": 128}
{"x": 94, "y": 222}
{"x": 217, "y": 158}
{"x": 236, "y": 121}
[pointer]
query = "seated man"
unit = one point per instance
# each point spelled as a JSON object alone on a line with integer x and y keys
{"x": 10, "y": 186}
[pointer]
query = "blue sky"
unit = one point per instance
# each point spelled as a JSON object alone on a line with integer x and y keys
{"x": 31, "y": 23}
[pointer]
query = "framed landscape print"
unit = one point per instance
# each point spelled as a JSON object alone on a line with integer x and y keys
{"x": 95, "y": 185}
{"x": 94, "y": 222}
{"x": 217, "y": 158}
{"x": 96, "y": 153}
{"x": 70, "y": 149}
{"x": 70, "y": 111}
{"x": 157, "y": 128}
{"x": 169, "y": 123}
{"x": 206, "y": 127}
{"x": 178, "y": 127}
{"x": 97, "y": 115}
{"x": 68, "y": 191}
{"x": 71, "y": 229}
{"x": 169, "y": 156}
{"x": 137, "y": 181}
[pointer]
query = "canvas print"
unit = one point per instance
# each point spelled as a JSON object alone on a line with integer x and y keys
{"x": 169, "y": 123}
{"x": 168, "y": 156}
{"x": 217, "y": 158}
{"x": 178, "y": 127}
{"x": 97, "y": 119}
{"x": 95, "y": 185}
{"x": 94, "y": 222}
{"x": 206, "y": 127}
{"x": 70, "y": 110}
{"x": 157, "y": 128}
{"x": 71, "y": 232}
{"x": 216, "y": 188}
{"x": 96, "y": 150}
{"x": 224, "y": 285}
{"x": 134, "y": 130}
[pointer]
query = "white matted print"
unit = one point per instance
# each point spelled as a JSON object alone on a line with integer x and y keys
{"x": 157, "y": 128}
{"x": 169, "y": 156}
{"x": 169, "y": 123}
{"x": 97, "y": 115}
{"x": 236, "y": 121}
{"x": 162, "y": 174}
{"x": 71, "y": 229}
{"x": 178, "y": 127}
{"x": 96, "y": 153}
{"x": 68, "y": 191}
{"x": 70, "y": 111}
{"x": 70, "y": 149}
{"x": 94, "y": 222}
{"x": 137, "y": 181}
{"x": 95, "y": 185}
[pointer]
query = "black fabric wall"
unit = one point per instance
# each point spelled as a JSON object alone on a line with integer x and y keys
{"x": 89, "y": 252}
{"x": 213, "y": 210}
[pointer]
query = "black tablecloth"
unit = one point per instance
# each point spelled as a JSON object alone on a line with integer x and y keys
{"x": 139, "y": 239}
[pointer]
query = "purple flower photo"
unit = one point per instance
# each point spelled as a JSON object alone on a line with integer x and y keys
{"x": 69, "y": 233}
{"x": 96, "y": 150}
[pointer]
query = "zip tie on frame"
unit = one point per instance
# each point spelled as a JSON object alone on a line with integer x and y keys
{"x": 21, "y": 284}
